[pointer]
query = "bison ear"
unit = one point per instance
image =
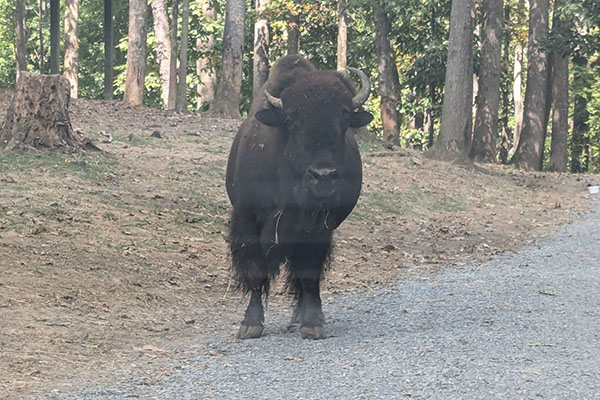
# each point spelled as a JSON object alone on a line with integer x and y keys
{"x": 360, "y": 118}
{"x": 271, "y": 117}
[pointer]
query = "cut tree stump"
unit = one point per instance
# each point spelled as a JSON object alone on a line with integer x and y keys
{"x": 38, "y": 116}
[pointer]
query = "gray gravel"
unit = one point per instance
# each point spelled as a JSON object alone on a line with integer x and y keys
{"x": 522, "y": 326}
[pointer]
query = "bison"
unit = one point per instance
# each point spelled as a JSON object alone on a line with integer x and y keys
{"x": 293, "y": 175}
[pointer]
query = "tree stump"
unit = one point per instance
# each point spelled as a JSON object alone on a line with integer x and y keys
{"x": 38, "y": 116}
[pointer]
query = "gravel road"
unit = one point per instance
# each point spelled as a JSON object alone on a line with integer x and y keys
{"x": 522, "y": 326}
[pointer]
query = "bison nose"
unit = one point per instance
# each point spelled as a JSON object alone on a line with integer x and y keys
{"x": 323, "y": 174}
{"x": 323, "y": 181}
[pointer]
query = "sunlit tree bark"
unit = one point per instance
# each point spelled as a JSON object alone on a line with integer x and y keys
{"x": 71, "y": 63}
{"x": 227, "y": 99}
{"x": 20, "y": 37}
{"x": 160, "y": 17}
{"x": 136, "y": 53}
{"x": 182, "y": 75}
{"x": 342, "y": 37}
{"x": 518, "y": 86}
{"x": 204, "y": 66}
{"x": 293, "y": 33}
{"x": 387, "y": 78}
{"x": 172, "y": 98}
{"x": 261, "y": 49}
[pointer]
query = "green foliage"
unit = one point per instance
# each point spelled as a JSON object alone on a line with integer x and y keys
{"x": 421, "y": 37}
{"x": 200, "y": 29}
{"x": 91, "y": 45}
{"x": 592, "y": 94}
{"x": 419, "y": 33}
{"x": 7, "y": 47}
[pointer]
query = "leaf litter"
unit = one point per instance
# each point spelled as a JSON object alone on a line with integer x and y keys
{"x": 111, "y": 263}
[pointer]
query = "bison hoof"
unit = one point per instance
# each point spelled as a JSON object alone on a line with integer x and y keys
{"x": 249, "y": 331}
{"x": 312, "y": 332}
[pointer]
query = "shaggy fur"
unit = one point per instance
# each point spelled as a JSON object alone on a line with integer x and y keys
{"x": 279, "y": 216}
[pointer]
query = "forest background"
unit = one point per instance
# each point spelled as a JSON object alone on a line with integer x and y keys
{"x": 402, "y": 44}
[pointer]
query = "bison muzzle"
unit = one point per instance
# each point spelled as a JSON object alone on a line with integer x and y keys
{"x": 293, "y": 175}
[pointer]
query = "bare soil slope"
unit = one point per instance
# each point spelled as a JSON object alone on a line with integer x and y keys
{"x": 108, "y": 263}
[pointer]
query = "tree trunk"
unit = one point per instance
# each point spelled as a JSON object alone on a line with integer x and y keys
{"x": 560, "y": 112}
{"x": 227, "y": 100}
{"x": 430, "y": 121}
{"x": 342, "y": 37}
{"x": 488, "y": 100}
{"x": 530, "y": 150}
{"x": 505, "y": 147}
{"x": 41, "y": 36}
{"x": 172, "y": 99}
{"x": 518, "y": 87}
{"x": 20, "y": 38}
{"x": 580, "y": 118}
{"x": 54, "y": 35}
{"x": 431, "y": 89}
{"x": 261, "y": 49}
{"x": 204, "y": 67}
{"x": 71, "y": 66}
{"x": 387, "y": 78}
{"x": 108, "y": 50}
{"x": 456, "y": 111}
{"x": 477, "y": 27}
{"x": 418, "y": 120}
{"x": 38, "y": 115}
{"x": 470, "y": 89}
{"x": 163, "y": 45}
{"x": 475, "y": 88}
{"x": 518, "y": 93}
{"x": 181, "y": 105}
{"x": 293, "y": 31}
{"x": 548, "y": 101}
{"x": 136, "y": 53}
{"x": 560, "y": 96}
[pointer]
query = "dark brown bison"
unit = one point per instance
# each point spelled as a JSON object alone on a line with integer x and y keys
{"x": 294, "y": 174}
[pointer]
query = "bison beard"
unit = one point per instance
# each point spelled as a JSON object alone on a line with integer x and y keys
{"x": 293, "y": 175}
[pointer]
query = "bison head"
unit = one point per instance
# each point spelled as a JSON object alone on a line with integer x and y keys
{"x": 315, "y": 113}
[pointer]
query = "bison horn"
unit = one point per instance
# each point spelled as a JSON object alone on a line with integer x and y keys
{"x": 275, "y": 101}
{"x": 365, "y": 89}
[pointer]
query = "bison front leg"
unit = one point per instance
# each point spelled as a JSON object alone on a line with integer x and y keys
{"x": 252, "y": 325}
{"x": 306, "y": 268}
{"x": 250, "y": 271}
{"x": 257, "y": 282}
{"x": 311, "y": 314}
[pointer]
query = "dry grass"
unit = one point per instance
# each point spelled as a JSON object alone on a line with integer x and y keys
{"x": 114, "y": 263}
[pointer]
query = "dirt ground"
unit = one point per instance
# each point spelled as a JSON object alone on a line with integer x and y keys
{"x": 109, "y": 263}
